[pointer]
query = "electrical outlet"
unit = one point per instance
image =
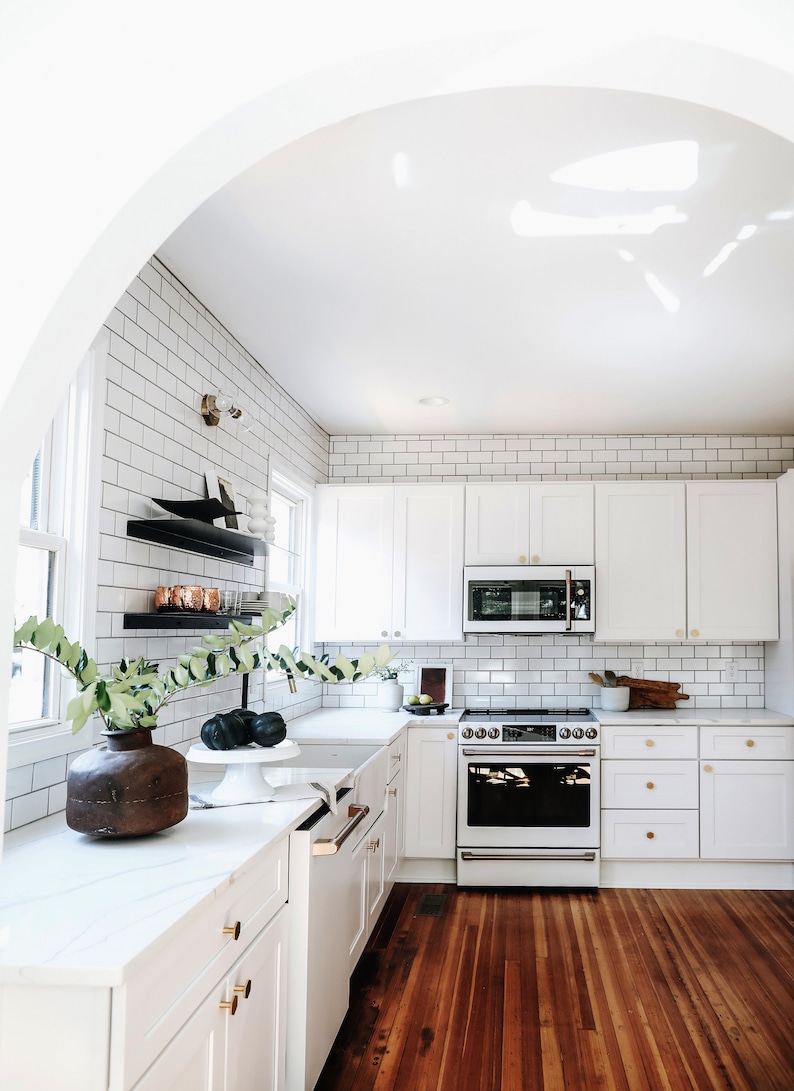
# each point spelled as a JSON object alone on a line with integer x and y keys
{"x": 731, "y": 670}
{"x": 638, "y": 668}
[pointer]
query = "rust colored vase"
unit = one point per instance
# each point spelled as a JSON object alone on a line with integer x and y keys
{"x": 129, "y": 788}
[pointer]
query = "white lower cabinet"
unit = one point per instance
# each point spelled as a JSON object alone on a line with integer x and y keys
{"x": 367, "y": 889}
{"x": 431, "y": 793}
{"x": 235, "y": 1040}
{"x": 698, "y": 792}
{"x": 747, "y": 793}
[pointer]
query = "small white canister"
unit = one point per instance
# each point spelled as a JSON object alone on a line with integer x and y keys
{"x": 615, "y": 698}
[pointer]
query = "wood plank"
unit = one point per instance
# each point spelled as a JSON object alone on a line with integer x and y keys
{"x": 625, "y": 990}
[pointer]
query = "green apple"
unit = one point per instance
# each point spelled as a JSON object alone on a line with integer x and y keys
{"x": 413, "y": 699}
{"x": 425, "y": 699}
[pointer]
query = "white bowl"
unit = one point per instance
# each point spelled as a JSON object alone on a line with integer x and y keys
{"x": 615, "y": 698}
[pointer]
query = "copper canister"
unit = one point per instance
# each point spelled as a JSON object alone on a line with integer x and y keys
{"x": 211, "y": 599}
{"x": 162, "y": 597}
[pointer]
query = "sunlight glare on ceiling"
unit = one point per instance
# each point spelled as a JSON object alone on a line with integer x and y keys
{"x": 533, "y": 222}
{"x": 645, "y": 169}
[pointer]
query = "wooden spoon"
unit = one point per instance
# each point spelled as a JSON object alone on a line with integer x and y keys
{"x": 599, "y": 681}
{"x": 611, "y": 678}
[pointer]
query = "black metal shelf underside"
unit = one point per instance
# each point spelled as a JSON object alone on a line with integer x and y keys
{"x": 198, "y": 537}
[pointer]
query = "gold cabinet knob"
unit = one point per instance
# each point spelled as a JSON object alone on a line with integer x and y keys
{"x": 244, "y": 989}
{"x": 229, "y": 1005}
{"x": 232, "y": 930}
{"x": 750, "y": 742}
{"x": 650, "y": 784}
{"x": 536, "y": 559}
{"x": 708, "y": 768}
{"x": 650, "y": 742}
{"x": 679, "y": 632}
{"x": 522, "y": 559}
{"x": 650, "y": 835}
{"x": 450, "y": 734}
{"x": 696, "y": 632}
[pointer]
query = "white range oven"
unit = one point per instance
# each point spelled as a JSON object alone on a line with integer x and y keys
{"x": 528, "y": 798}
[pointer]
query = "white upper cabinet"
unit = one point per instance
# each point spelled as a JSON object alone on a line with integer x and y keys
{"x": 732, "y": 560}
{"x": 389, "y": 562}
{"x": 640, "y": 544}
{"x": 519, "y": 523}
{"x": 694, "y": 560}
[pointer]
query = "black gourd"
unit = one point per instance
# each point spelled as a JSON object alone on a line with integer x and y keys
{"x": 268, "y": 728}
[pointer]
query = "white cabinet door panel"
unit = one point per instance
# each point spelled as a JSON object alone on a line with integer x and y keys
{"x": 431, "y": 793}
{"x": 497, "y": 524}
{"x": 732, "y": 560}
{"x": 561, "y": 522}
{"x": 747, "y": 810}
{"x": 428, "y": 562}
{"x": 640, "y": 552}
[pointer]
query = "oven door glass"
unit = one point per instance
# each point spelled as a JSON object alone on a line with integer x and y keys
{"x": 527, "y": 600}
{"x": 512, "y": 794}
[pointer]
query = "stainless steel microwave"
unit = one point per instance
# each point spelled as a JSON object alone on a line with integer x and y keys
{"x": 531, "y": 599}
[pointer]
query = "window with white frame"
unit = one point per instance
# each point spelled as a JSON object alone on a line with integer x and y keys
{"x": 287, "y": 561}
{"x": 56, "y": 561}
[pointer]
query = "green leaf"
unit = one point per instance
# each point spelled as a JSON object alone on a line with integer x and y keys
{"x": 26, "y": 631}
{"x": 366, "y": 663}
{"x": 222, "y": 665}
{"x": 44, "y": 634}
{"x": 198, "y": 668}
{"x": 383, "y": 655}
{"x": 245, "y": 657}
{"x": 343, "y": 664}
{"x": 181, "y": 676}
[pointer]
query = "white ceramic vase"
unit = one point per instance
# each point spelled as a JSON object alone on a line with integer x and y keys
{"x": 615, "y": 698}
{"x": 390, "y": 696}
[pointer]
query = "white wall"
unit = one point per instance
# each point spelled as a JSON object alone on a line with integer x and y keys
{"x": 543, "y": 670}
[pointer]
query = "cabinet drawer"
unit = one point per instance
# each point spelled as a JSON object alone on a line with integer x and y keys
{"x": 746, "y": 742}
{"x": 649, "y": 742}
{"x": 174, "y": 980}
{"x": 396, "y": 755}
{"x": 649, "y": 835}
{"x": 657, "y": 784}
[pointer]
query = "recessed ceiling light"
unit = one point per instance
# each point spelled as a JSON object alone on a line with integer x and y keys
{"x": 434, "y": 401}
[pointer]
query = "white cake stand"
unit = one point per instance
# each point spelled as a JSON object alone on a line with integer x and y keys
{"x": 244, "y": 781}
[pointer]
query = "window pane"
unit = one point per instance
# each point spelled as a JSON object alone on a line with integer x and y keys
{"x": 30, "y": 697}
{"x": 30, "y": 501}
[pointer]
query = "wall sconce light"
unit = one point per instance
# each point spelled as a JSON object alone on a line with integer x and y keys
{"x": 215, "y": 406}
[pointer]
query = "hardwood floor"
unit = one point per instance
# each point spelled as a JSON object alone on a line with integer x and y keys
{"x": 625, "y": 990}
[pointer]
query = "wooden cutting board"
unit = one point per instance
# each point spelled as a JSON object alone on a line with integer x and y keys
{"x": 648, "y": 694}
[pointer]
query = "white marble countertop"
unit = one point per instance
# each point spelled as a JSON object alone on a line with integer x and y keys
{"x": 371, "y": 726}
{"x": 750, "y": 717}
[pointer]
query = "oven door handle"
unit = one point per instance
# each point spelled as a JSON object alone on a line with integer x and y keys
{"x": 568, "y": 591}
{"x": 495, "y": 754}
{"x": 466, "y": 855}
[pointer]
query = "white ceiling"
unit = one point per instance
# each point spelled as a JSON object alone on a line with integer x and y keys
{"x": 373, "y": 263}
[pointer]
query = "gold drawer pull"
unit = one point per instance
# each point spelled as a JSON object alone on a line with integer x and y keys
{"x": 679, "y": 632}
{"x": 650, "y": 835}
{"x": 750, "y": 742}
{"x": 230, "y": 1005}
{"x": 244, "y": 989}
{"x": 522, "y": 559}
{"x": 650, "y": 742}
{"x": 536, "y": 559}
{"x": 708, "y": 768}
{"x": 696, "y": 632}
{"x": 232, "y": 930}
{"x": 393, "y": 792}
{"x": 374, "y": 845}
{"x": 650, "y": 784}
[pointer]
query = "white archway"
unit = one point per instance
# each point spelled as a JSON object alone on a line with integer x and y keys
{"x": 123, "y": 118}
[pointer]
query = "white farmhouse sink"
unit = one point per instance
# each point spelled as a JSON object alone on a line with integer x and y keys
{"x": 370, "y": 765}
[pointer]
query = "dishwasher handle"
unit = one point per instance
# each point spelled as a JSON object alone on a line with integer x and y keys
{"x": 327, "y": 846}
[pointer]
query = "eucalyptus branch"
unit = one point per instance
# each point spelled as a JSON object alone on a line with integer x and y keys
{"x": 134, "y": 692}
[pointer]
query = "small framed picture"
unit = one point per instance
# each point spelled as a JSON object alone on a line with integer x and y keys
{"x": 220, "y": 486}
{"x": 436, "y": 679}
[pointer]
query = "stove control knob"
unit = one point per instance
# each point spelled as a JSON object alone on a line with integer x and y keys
{"x": 493, "y": 733}
{"x": 578, "y": 732}
{"x": 480, "y": 733}
{"x": 592, "y": 733}
{"x": 565, "y": 732}
{"x": 466, "y": 733}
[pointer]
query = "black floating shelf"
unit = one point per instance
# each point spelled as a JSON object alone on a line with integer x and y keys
{"x": 199, "y": 537}
{"x": 185, "y": 619}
